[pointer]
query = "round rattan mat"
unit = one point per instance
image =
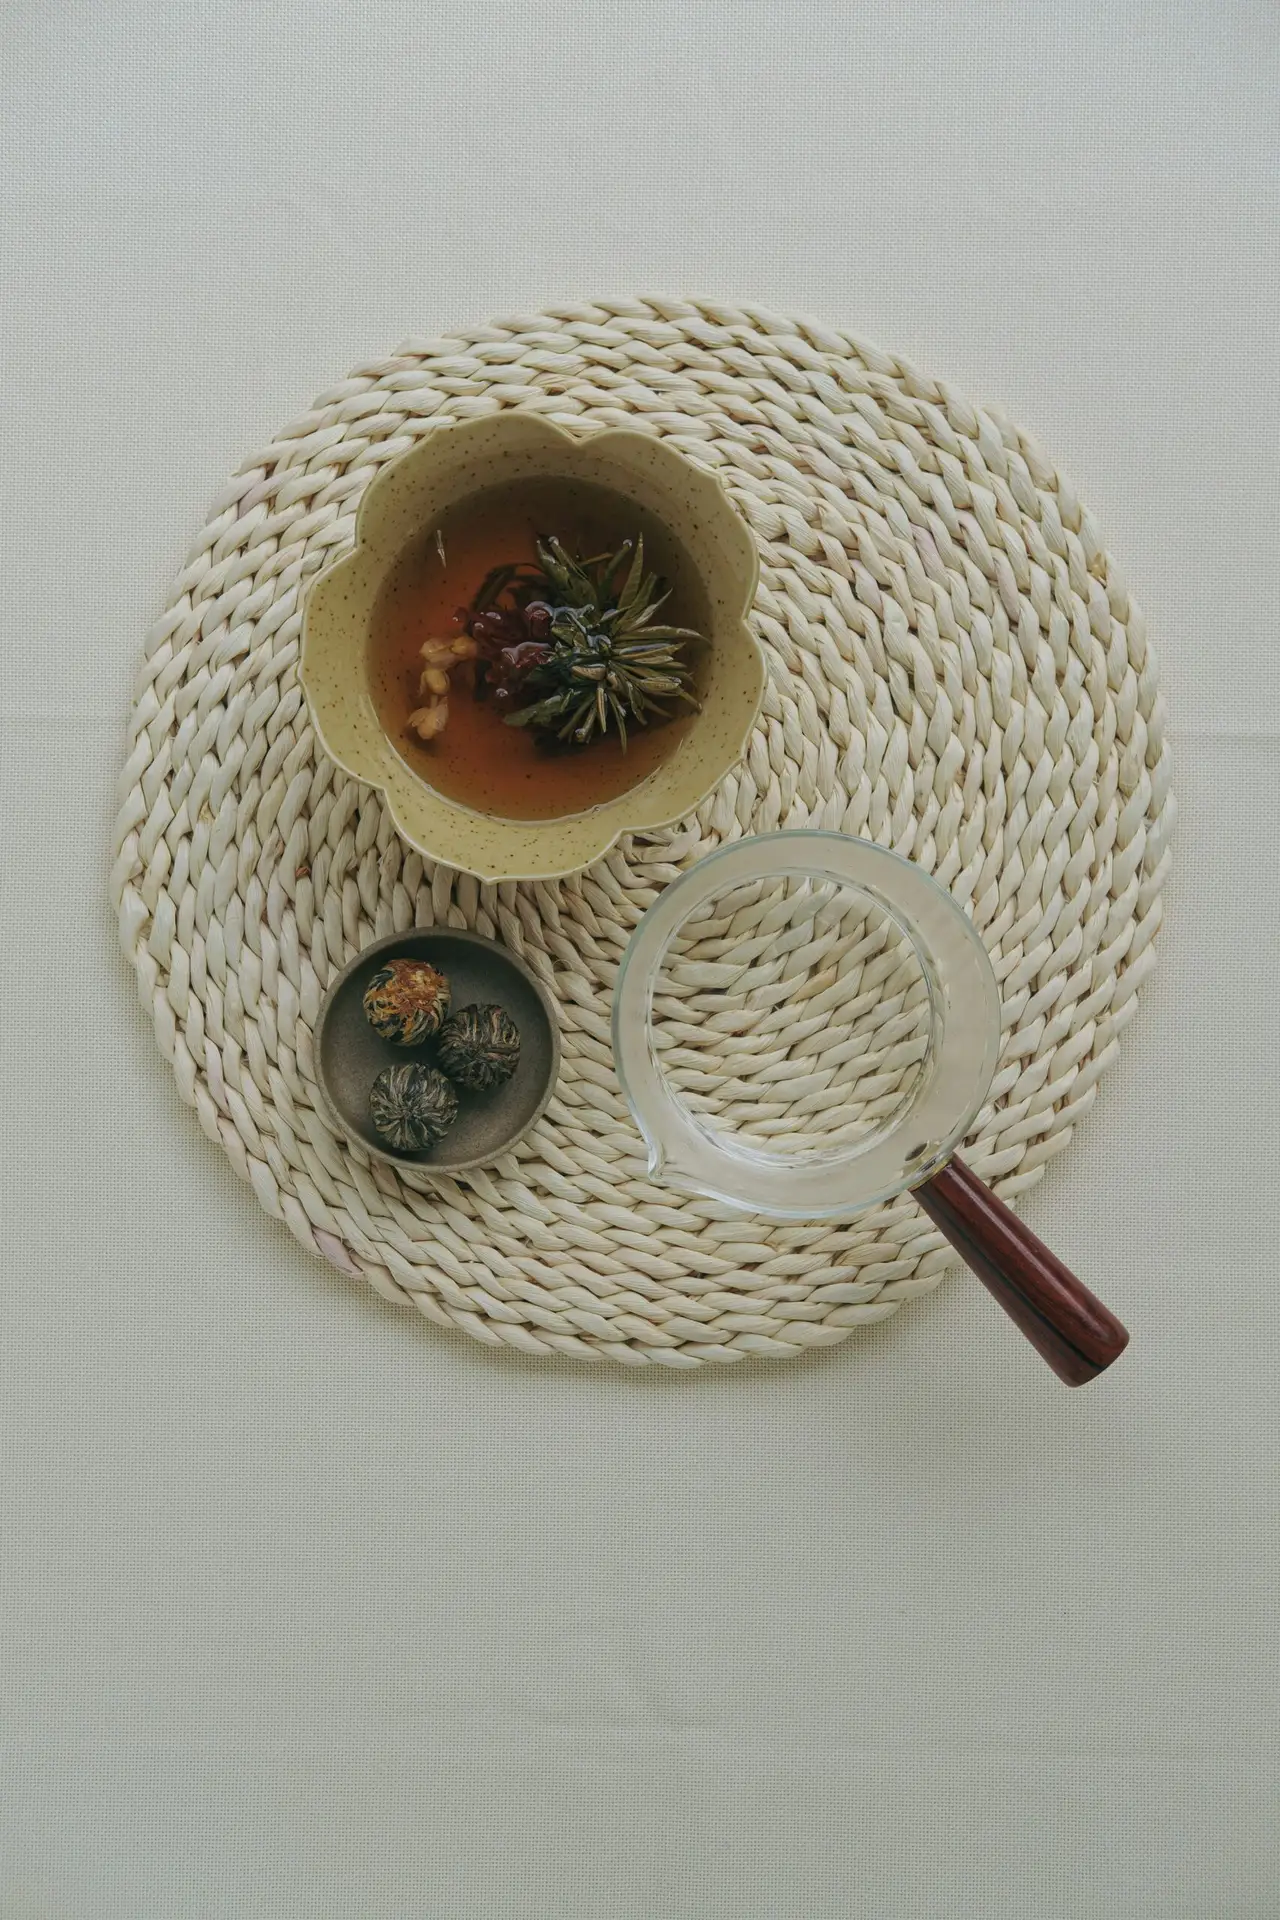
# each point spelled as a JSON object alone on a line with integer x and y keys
{"x": 957, "y": 671}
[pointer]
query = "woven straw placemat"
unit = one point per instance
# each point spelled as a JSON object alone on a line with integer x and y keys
{"x": 956, "y": 670}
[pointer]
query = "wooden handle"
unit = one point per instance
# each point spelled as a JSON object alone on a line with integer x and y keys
{"x": 1060, "y": 1317}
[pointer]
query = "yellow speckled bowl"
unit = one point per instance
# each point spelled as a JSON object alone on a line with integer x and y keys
{"x": 405, "y": 501}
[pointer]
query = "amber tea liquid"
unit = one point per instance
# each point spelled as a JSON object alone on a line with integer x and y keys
{"x": 478, "y": 761}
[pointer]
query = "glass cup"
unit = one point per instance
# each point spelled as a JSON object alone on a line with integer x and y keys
{"x": 805, "y": 1024}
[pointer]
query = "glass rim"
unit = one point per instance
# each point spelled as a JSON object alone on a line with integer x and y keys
{"x": 962, "y": 1052}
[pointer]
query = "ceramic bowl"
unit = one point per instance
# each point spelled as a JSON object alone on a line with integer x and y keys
{"x": 349, "y": 1055}
{"x": 404, "y": 502}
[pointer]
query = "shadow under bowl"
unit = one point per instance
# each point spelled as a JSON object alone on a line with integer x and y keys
{"x": 349, "y": 1055}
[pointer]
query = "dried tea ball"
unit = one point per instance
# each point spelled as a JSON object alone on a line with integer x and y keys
{"x": 412, "y": 1106}
{"x": 406, "y": 1001}
{"x": 479, "y": 1047}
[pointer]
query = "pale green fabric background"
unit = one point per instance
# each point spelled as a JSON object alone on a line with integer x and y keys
{"x": 310, "y": 1610}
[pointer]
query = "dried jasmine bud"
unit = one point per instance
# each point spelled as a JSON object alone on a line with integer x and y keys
{"x": 406, "y": 1002}
{"x": 480, "y": 1047}
{"x": 412, "y": 1106}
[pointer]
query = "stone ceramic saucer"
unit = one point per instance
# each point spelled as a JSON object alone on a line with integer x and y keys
{"x": 349, "y": 1055}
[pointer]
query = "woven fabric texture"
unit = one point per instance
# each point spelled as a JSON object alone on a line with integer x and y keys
{"x": 956, "y": 671}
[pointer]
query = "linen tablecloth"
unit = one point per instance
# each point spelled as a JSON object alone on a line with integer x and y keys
{"x": 311, "y": 1610}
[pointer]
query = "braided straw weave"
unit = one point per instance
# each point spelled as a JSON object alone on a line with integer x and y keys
{"x": 956, "y": 670}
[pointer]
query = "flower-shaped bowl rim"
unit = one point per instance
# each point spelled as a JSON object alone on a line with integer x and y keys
{"x": 397, "y": 781}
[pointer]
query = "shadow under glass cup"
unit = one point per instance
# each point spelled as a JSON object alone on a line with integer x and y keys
{"x": 804, "y": 1024}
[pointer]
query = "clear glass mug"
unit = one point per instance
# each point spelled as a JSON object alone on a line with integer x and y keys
{"x": 805, "y": 1024}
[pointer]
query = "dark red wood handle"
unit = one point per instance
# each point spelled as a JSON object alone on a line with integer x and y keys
{"x": 1060, "y": 1317}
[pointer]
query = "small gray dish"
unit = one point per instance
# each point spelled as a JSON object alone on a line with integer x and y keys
{"x": 349, "y": 1055}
